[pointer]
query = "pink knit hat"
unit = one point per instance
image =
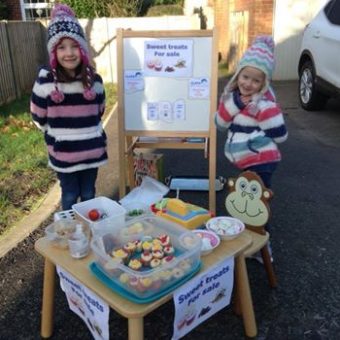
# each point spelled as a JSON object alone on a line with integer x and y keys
{"x": 63, "y": 25}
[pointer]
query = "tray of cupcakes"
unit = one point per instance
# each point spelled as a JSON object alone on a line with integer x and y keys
{"x": 146, "y": 258}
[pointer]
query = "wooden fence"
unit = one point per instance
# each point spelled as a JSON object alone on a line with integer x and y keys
{"x": 23, "y": 47}
{"x": 238, "y": 37}
{"x": 22, "y": 51}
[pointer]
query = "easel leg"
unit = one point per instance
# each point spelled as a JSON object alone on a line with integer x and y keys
{"x": 48, "y": 300}
{"x": 244, "y": 296}
{"x": 136, "y": 328}
{"x": 130, "y": 167}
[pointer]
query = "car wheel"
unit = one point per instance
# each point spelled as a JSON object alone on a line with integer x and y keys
{"x": 310, "y": 98}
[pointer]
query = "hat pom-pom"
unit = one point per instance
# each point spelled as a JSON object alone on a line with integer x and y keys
{"x": 265, "y": 39}
{"x": 57, "y": 96}
{"x": 61, "y": 10}
{"x": 89, "y": 94}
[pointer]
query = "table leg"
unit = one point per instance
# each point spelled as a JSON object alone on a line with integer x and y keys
{"x": 244, "y": 296}
{"x": 48, "y": 300}
{"x": 136, "y": 328}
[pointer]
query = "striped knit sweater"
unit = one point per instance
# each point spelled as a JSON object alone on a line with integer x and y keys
{"x": 253, "y": 131}
{"x": 72, "y": 129}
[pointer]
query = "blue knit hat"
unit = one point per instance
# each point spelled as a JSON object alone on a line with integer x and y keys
{"x": 259, "y": 55}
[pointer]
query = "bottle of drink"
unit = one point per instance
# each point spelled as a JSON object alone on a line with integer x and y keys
{"x": 78, "y": 243}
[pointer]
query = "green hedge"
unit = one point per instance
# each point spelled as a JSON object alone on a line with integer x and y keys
{"x": 160, "y": 10}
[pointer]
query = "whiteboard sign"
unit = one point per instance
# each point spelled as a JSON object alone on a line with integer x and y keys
{"x": 168, "y": 96}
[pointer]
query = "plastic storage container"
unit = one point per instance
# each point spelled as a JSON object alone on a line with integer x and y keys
{"x": 64, "y": 215}
{"x": 112, "y": 215}
{"x": 138, "y": 244}
{"x": 137, "y": 210}
{"x": 60, "y": 231}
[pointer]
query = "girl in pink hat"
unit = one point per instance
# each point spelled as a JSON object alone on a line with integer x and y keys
{"x": 67, "y": 103}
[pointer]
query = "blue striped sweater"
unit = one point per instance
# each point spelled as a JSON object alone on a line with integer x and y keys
{"x": 253, "y": 131}
{"x": 72, "y": 129}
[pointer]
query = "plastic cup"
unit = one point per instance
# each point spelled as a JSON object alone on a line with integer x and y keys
{"x": 79, "y": 247}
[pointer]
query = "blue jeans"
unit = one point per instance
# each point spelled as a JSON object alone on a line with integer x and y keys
{"x": 77, "y": 184}
{"x": 265, "y": 171}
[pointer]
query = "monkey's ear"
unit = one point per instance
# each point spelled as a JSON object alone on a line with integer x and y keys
{"x": 231, "y": 182}
{"x": 267, "y": 194}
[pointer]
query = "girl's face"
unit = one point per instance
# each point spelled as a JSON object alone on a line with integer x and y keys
{"x": 68, "y": 55}
{"x": 250, "y": 81}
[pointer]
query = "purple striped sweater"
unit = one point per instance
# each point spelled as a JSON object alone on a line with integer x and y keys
{"x": 72, "y": 129}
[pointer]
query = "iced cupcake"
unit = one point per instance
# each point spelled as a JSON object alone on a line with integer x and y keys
{"x": 120, "y": 254}
{"x": 146, "y": 258}
{"x": 177, "y": 273}
{"x": 135, "y": 264}
{"x": 147, "y": 246}
{"x": 158, "y": 254}
{"x": 168, "y": 250}
{"x": 145, "y": 282}
{"x": 124, "y": 278}
{"x": 130, "y": 247}
{"x": 165, "y": 240}
{"x": 155, "y": 263}
{"x": 138, "y": 244}
{"x": 167, "y": 259}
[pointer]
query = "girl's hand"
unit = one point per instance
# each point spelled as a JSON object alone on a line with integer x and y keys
{"x": 245, "y": 99}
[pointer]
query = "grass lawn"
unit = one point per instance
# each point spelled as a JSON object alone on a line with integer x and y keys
{"x": 24, "y": 175}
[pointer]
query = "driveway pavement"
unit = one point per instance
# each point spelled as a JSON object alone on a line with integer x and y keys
{"x": 305, "y": 241}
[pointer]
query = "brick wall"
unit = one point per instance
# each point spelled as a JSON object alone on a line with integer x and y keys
{"x": 14, "y": 9}
{"x": 222, "y": 23}
{"x": 261, "y": 14}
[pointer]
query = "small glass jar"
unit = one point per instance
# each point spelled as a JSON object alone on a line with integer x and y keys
{"x": 78, "y": 243}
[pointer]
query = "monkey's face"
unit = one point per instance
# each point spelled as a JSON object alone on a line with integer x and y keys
{"x": 247, "y": 201}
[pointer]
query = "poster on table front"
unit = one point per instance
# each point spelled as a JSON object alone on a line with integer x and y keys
{"x": 87, "y": 305}
{"x": 168, "y": 58}
{"x": 202, "y": 297}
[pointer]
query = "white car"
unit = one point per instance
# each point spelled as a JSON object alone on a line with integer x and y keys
{"x": 319, "y": 64}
